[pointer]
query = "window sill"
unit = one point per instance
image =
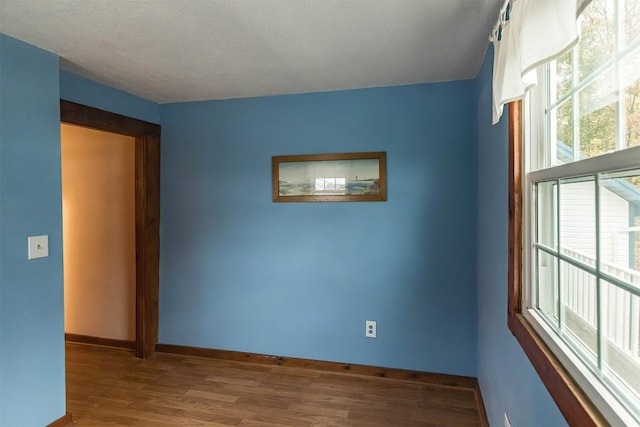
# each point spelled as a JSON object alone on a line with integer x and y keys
{"x": 571, "y": 400}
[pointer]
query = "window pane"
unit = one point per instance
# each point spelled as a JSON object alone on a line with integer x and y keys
{"x": 621, "y": 338}
{"x": 598, "y": 116}
{"x": 547, "y": 290}
{"x": 561, "y": 132}
{"x": 619, "y": 237}
{"x": 578, "y": 220}
{"x": 636, "y": 238}
{"x": 630, "y": 72}
{"x": 561, "y": 76}
{"x": 631, "y": 19}
{"x": 547, "y": 232}
{"x": 579, "y": 309}
{"x": 597, "y": 41}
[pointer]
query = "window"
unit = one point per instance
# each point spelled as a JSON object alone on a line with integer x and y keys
{"x": 577, "y": 310}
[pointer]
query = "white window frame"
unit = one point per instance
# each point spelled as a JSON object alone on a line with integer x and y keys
{"x": 533, "y": 150}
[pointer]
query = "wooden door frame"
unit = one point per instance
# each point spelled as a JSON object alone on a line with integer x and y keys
{"x": 147, "y": 208}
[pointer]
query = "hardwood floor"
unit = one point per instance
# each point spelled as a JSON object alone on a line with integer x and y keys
{"x": 109, "y": 386}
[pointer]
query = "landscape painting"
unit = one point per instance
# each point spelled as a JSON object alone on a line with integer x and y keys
{"x": 330, "y": 177}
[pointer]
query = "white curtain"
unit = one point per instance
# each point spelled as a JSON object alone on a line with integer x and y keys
{"x": 536, "y": 32}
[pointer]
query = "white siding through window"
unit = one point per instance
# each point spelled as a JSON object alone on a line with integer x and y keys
{"x": 577, "y": 207}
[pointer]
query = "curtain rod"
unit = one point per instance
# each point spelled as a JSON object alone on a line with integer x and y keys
{"x": 499, "y": 20}
{"x": 581, "y": 5}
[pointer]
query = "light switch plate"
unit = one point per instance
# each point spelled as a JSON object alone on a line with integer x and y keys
{"x": 38, "y": 246}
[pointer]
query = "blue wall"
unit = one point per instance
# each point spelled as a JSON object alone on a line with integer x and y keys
{"x": 87, "y": 92}
{"x": 240, "y": 272}
{"x": 508, "y": 381}
{"x": 31, "y": 292}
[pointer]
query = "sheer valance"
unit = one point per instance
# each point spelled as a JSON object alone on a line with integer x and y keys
{"x": 529, "y": 33}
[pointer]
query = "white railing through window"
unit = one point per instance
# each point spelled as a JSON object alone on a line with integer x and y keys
{"x": 621, "y": 320}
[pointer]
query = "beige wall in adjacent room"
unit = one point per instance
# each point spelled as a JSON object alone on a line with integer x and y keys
{"x": 98, "y": 209}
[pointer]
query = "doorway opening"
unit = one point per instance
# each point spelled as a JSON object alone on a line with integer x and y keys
{"x": 146, "y": 192}
{"x": 98, "y": 228}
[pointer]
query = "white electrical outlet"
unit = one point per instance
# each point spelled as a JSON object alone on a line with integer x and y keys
{"x": 507, "y": 423}
{"x": 38, "y": 247}
{"x": 370, "y": 329}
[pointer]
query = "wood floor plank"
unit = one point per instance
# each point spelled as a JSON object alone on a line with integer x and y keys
{"x": 108, "y": 386}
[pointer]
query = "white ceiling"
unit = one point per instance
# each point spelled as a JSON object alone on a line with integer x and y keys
{"x": 190, "y": 50}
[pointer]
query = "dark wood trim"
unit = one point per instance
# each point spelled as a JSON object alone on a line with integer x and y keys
{"x": 480, "y": 404}
{"x": 365, "y": 370}
{"x": 147, "y": 195}
{"x": 94, "y": 118}
{"x": 571, "y": 400}
{"x": 515, "y": 207}
{"x": 108, "y": 342}
{"x": 147, "y": 242}
{"x": 63, "y": 421}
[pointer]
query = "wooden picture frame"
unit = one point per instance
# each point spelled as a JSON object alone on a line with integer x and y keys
{"x": 339, "y": 177}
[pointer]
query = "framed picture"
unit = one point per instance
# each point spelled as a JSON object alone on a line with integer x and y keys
{"x": 343, "y": 177}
